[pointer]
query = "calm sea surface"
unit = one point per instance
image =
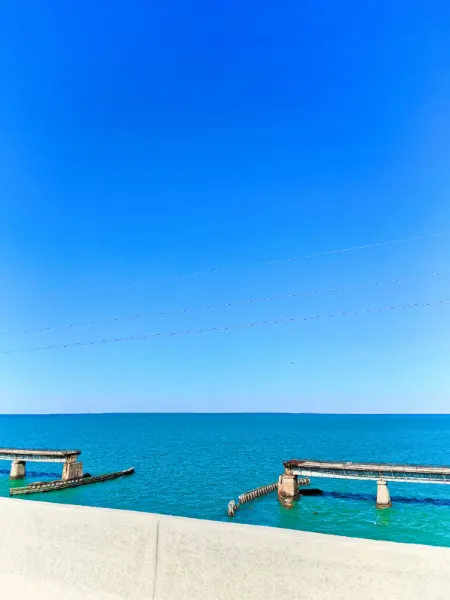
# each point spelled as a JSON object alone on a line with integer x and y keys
{"x": 192, "y": 465}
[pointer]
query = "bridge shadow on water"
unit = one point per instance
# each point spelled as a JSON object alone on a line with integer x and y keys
{"x": 400, "y": 499}
{"x": 33, "y": 474}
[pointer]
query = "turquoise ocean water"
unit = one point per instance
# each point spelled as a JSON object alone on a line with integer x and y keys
{"x": 192, "y": 465}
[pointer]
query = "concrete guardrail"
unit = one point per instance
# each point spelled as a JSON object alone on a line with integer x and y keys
{"x": 54, "y": 552}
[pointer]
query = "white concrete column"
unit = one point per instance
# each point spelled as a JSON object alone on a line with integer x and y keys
{"x": 17, "y": 469}
{"x": 383, "y": 496}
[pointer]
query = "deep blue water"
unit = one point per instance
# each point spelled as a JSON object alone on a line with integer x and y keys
{"x": 193, "y": 464}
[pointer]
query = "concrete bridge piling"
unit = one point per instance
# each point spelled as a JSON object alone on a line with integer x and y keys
{"x": 383, "y": 496}
{"x": 18, "y": 470}
{"x": 288, "y": 488}
{"x": 72, "y": 468}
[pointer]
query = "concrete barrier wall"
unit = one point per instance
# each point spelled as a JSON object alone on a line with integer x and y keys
{"x": 64, "y": 552}
{"x": 55, "y": 552}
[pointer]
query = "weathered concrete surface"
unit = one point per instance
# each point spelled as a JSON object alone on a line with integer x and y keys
{"x": 71, "y": 470}
{"x": 383, "y": 496}
{"x": 199, "y": 560}
{"x": 53, "y": 552}
{"x": 28, "y": 454}
{"x": 17, "y": 469}
{"x": 288, "y": 490}
{"x": 61, "y": 552}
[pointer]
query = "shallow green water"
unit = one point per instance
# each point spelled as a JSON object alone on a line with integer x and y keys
{"x": 192, "y": 465}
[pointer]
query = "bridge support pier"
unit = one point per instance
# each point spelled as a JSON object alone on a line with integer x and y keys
{"x": 288, "y": 489}
{"x": 383, "y": 496}
{"x": 72, "y": 469}
{"x": 17, "y": 469}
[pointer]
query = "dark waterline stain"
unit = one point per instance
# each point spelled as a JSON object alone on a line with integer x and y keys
{"x": 34, "y": 474}
{"x": 400, "y": 499}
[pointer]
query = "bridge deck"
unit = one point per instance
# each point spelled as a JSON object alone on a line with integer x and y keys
{"x": 372, "y": 471}
{"x": 38, "y": 455}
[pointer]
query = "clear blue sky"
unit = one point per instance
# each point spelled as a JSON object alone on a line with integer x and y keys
{"x": 142, "y": 140}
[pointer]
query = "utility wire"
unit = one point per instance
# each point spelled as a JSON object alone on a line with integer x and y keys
{"x": 226, "y": 304}
{"x": 229, "y": 327}
{"x": 283, "y": 260}
{"x": 308, "y": 256}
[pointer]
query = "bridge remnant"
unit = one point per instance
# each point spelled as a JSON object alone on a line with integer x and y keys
{"x": 379, "y": 472}
{"x": 19, "y": 457}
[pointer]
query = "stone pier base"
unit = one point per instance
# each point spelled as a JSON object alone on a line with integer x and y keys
{"x": 288, "y": 490}
{"x": 72, "y": 470}
{"x": 17, "y": 469}
{"x": 383, "y": 496}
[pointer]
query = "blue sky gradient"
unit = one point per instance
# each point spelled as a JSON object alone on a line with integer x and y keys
{"x": 147, "y": 140}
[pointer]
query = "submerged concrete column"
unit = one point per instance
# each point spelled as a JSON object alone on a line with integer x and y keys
{"x": 288, "y": 489}
{"x": 17, "y": 469}
{"x": 72, "y": 469}
{"x": 383, "y": 496}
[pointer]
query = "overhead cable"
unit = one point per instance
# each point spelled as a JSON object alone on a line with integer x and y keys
{"x": 225, "y": 304}
{"x": 288, "y": 320}
{"x": 252, "y": 265}
{"x": 307, "y": 256}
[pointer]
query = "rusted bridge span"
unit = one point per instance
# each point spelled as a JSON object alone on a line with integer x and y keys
{"x": 19, "y": 457}
{"x": 379, "y": 472}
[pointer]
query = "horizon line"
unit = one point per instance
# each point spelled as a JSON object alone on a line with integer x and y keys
{"x": 343, "y": 414}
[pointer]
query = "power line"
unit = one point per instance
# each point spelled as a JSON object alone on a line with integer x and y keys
{"x": 229, "y": 327}
{"x": 283, "y": 260}
{"x": 225, "y": 304}
{"x": 308, "y": 256}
